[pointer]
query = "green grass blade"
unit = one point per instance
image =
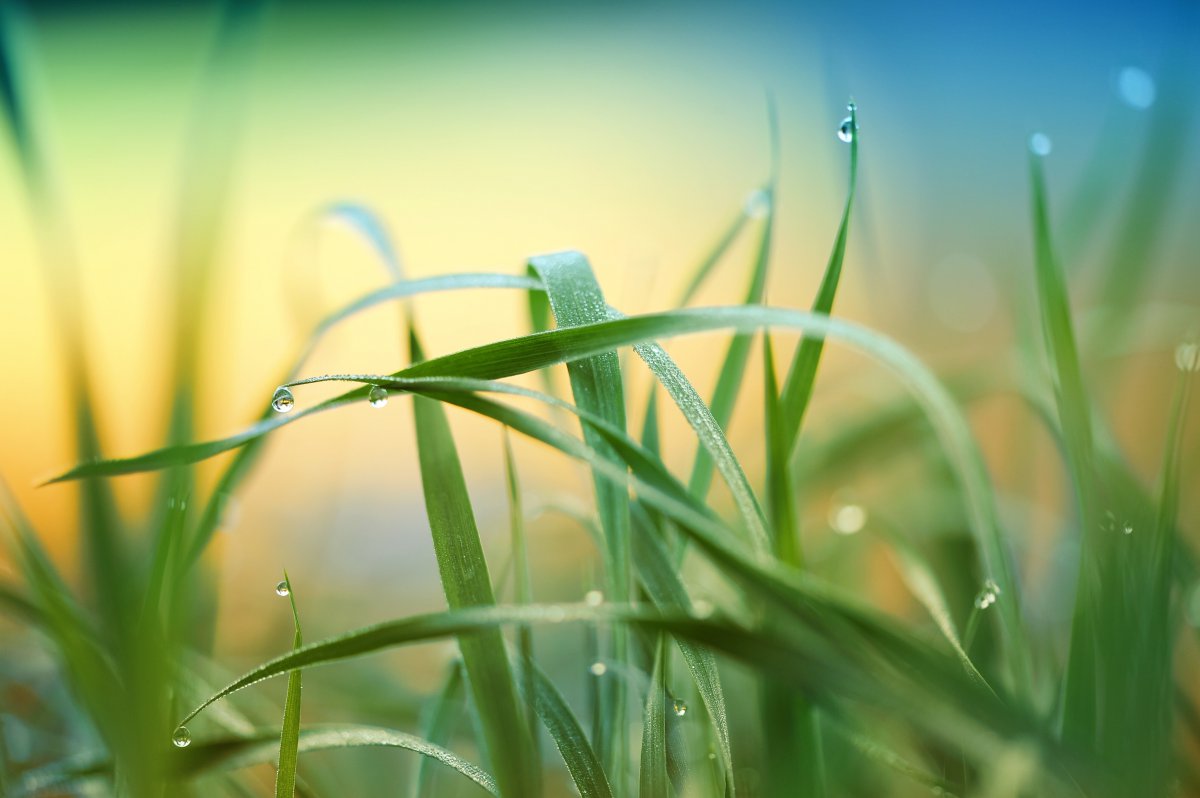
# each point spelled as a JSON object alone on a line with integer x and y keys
{"x": 524, "y": 589}
{"x": 798, "y": 386}
{"x": 466, "y": 583}
{"x": 598, "y": 387}
{"x": 289, "y": 738}
{"x": 447, "y": 711}
{"x": 578, "y": 754}
{"x": 654, "y": 780}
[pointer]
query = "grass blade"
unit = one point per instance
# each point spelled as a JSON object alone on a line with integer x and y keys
{"x": 289, "y": 738}
{"x": 447, "y": 711}
{"x": 466, "y": 583}
{"x": 654, "y": 780}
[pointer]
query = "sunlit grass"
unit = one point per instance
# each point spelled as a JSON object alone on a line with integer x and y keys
{"x": 839, "y": 696}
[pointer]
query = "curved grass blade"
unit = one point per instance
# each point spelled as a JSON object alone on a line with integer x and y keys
{"x": 466, "y": 583}
{"x": 578, "y": 754}
{"x": 231, "y": 477}
{"x": 798, "y": 385}
{"x": 289, "y": 738}
{"x": 446, "y": 713}
{"x": 538, "y": 350}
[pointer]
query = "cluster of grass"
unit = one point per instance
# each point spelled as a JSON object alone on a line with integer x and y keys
{"x": 846, "y": 699}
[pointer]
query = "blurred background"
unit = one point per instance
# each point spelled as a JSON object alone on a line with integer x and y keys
{"x": 634, "y": 132}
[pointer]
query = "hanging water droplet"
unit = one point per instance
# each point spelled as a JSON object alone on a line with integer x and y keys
{"x": 847, "y": 519}
{"x": 182, "y": 738}
{"x": 679, "y": 707}
{"x": 702, "y": 608}
{"x": 283, "y": 588}
{"x": 847, "y": 130}
{"x": 598, "y": 668}
{"x": 988, "y": 595}
{"x": 283, "y": 401}
{"x": 1040, "y": 145}
{"x": 1128, "y": 528}
{"x": 593, "y": 598}
{"x": 1187, "y": 357}
{"x": 377, "y": 396}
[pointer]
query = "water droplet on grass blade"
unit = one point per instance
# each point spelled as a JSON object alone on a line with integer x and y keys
{"x": 182, "y": 738}
{"x": 594, "y": 598}
{"x": 679, "y": 707}
{"x": 598, "y": 668}
{"x": 988, "y": 595}
{"x": 847, "y": 130}
{"x": 757, "y": 204}
{"x": 1040, "y": 144}
{"x": 702, "y": 608}
{"x": 283, "y": 588}
{"x": 377, "y": 396}
{"x": 1187, "y": 357}
{"x": 283, "y": 401}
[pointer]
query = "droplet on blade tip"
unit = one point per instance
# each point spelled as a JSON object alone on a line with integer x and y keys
{"x": 182, "y": 738}
{"x": 283, "y": 588}
{"x": 847, "y": 130}
{"x": 598, "y": 668}
{"x": 1040, "y": 144}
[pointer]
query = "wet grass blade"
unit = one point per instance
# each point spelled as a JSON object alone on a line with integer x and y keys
{"x": 597, "y": 386}
{"x": 654, "y": 780}
{"x": 798, "y": 385}
{"x": 466, "y": 583}
{"x": 289, "y": 738}
{"x": 447, "y": 711}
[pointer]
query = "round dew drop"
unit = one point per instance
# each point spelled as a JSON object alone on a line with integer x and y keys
{"x": 283, "y": 588}
{"x": 377, "y": 396}
{"x": 182, "y": 738}
{"x": 847, "y": 130}
{"x": 679, "y": 707}
{"x": 283, "y": 400}
{"x": 598, "y": 668}
{"x": 594, "y": 598}
{"x": 987, "y": 597}
{"x": 848, "y": 519}
{"x": 1040, "y": 144}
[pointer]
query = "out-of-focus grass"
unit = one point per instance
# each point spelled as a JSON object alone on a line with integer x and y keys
{"x": 967, "y": 696}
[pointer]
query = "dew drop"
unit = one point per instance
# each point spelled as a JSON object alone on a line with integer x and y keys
{"x": 182, "y": 738}
{"x": 1128, "y": 528}
{"x": 593, "y": 598}
{"x": 283, "y": 401}
{"x": 847, "y": 519}
{"x": 1040, "y": 144}
{"x": 712, "y": 755}
{"x": 1187, "y": 357}
{"x": 377, "y": 396}
{"x": 283, "y": 588}
{"x": 702, "y": 608}
{"x": 679, "y": 707}
{"x": 1136, "y": 87}
{"x": 847, "y": 130}
{"x": 598, "y": 668}
{"x": 987, "y": 596}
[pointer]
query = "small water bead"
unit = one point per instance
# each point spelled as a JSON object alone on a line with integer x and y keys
{"x": 987, "y": 597}
{"x": 1127, "y": 528}
{"x": 182, "y": 738}
{"x": 593, "y": 598}
{"x": 679, "y": 707}
{"x": 598, "y": 668}
{"x": 283, "y": 401}
{"x": 283, "y": 588}
{"x": 703, "y": 608}
{"x": 1040, "y": 144}
{"x": 1187, "y": 357}
{"x": 377, "y": 396}
{"x": 847, "y": 130}
{"x": 847, "y": 519}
